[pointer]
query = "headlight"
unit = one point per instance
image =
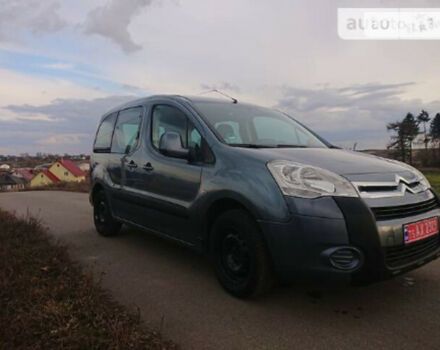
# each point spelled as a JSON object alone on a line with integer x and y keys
{"x": 420, "y": 177}
{"x": 305, "y": 181}
{"x": 424, "y": 182}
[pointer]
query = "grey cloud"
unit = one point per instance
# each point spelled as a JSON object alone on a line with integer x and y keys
{"x": 70, "y": 109}
{"x": 224, "y": 85}
{"x": 375, "y": 87}
{"x": 112, "y": 20}
{"x": 39, "y": 17}
{"x": 353, "y": 113}
{"x": 70, "y": 125}
{"x": 134, "y": 89}
{"x": 307, "y": 100}
{"x": 64, "y": 139}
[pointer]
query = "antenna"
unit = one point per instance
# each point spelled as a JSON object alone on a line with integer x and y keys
{"x": 234, "y": 100}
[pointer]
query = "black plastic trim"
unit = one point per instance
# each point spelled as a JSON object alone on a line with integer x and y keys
{"x": 363, "y": 234}
{"x": 153, "y": 203}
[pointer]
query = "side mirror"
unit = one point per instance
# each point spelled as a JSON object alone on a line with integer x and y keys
{"x": 170, "y": 145}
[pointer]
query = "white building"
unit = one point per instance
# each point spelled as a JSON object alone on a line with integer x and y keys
{"x": 5, "y": 167}
{"x": 85, "y": 167}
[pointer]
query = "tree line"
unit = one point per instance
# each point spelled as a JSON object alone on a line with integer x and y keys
{"x": 406, "y": 131}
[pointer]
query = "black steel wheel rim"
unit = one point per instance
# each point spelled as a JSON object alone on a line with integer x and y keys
{"x": 101, "y": 212}
{"x": 234, "y": 256}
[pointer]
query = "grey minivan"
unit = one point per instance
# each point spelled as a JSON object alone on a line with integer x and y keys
{"x": 265, "y": 197}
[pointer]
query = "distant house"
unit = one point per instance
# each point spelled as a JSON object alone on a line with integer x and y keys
{"x": 66, "y": 170}
{"x": 44, "y": 178}
{"x": 62, "y": 170}
{"x": 25, "y": 173}
{"x": 44, "y": 166}
{"x": 10, "y": 182}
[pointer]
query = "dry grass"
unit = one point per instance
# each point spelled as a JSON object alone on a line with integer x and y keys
{"x": 83, "y": 186}
{"x": 47, "y": 302}
{"x": 434, "y": 178}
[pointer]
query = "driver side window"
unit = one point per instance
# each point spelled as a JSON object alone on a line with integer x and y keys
{"x": 167, "y": 118}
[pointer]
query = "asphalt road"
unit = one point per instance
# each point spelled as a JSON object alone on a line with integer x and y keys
{"x": 178, "y": 294}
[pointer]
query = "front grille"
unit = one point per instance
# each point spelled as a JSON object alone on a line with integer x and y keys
{"x": 402, "y": 211}
{"x": 385, "y": 188}
{"x": 406, "y": 254}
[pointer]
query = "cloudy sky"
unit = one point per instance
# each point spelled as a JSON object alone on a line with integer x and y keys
{"x": 64, "y": 63}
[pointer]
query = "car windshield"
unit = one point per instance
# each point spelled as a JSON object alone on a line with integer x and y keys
{"x": 243, "y": 125}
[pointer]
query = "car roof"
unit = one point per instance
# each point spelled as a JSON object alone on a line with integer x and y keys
{"x": 186, "y": 98}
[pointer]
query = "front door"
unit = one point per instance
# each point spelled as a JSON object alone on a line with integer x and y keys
{"x": 165, "y": 188}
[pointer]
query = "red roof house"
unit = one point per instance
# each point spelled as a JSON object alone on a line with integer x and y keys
{"x": 67, "y": 171}
{"x": 63, "y": 170}
{"x": 51, "y": 176}
{"x": 72, "y": 167}
{"x": 25, "y": 173}
{"x": 43, "y": 178}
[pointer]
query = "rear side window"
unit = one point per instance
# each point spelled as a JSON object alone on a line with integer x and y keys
{"x": 104, "y": 136}
{"x": 126, "y": 133}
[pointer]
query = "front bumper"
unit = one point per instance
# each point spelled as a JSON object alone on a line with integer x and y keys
{"x": 298, "y": 246}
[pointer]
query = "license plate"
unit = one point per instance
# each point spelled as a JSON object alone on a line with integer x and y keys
{"x": 420, "y": 230}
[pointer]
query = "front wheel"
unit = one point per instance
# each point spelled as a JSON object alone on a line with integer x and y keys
{"x": 240, "y": 256}
{"x": 105, "y": 224}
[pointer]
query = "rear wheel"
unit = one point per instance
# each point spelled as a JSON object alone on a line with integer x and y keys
{"x": 240, "y": 256}
{"x": 105, "y": 224}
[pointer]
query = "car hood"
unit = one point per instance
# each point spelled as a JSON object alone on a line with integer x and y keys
{"x": 339, "y": 161}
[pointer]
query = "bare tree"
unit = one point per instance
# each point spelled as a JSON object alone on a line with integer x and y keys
{"x": 405, "y": 133}
{"x": 423, "y": 118}
{"x": 397, "y": 141}
{"x": 435, "y": 130}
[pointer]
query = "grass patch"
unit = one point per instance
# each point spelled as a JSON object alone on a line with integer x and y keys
{"x": 83, "y": 187}
{"x": 434, "y": 178}
{"x": 47, "y": 302}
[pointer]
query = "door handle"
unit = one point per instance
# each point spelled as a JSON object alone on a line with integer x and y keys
{"x": 132, "y": 165}
{"x": 148, "y": 167}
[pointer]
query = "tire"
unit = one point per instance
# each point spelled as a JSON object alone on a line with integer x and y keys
{"x": 105, "y": 224}
{"x": 239, "y": 253}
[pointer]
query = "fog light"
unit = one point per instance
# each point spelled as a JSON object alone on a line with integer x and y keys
{"x": 344, "y": 258}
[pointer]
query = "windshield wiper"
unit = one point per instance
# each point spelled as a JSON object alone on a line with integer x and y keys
{"x": 254, "y": 145}
{"x": 282, "y": 145}
{"x": 250, "y": 145}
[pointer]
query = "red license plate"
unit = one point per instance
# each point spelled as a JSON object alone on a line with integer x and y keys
{"x": 420, "y": 230}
